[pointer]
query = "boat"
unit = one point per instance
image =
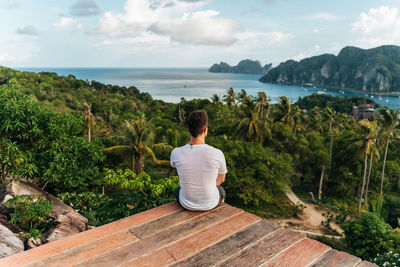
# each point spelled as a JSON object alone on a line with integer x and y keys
{"x": 321, "y": 93}
{"x": 380, "y": 98}
{"x": 325, "y": 90}
{"x": 372, "y": 96}
{"x": 387, "y": 100}
{"x": 305, "y": 89}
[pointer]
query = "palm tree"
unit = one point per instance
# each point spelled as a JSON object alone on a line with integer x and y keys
{"x": 251, "y": 127}
{"x": 390, "y": 123}
{"x": 242, "y": 95}
{"x": 230, "y": 98}
{"x": 90, "y": 119}
{"x": 138, "y": 139}
{"x": 331, "y": 115}
{"x": 369, "y": 172}
{"x": 368, "y": 145}
{"x": 215, "y": 99}
{"x": 284, "y": 111}
{"x": 262, "y": 105}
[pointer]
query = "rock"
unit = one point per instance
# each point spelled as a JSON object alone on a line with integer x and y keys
{"x": 19, "y": 187}
{"x": 9, "y": 242}
{"x": 68, "y": 224}
{"x": 33, "y": 242}
{"x": 246, "y": 66}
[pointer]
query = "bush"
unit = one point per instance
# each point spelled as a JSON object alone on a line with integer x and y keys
{"x": 369, "y": 236}
{"x": 388, "y": 259}
{"x": 29, "y": 214}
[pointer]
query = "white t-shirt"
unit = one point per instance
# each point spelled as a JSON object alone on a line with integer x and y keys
{"x": 198, "y": 167}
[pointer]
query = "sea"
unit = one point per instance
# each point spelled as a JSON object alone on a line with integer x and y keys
{"x": 171, "y": 85}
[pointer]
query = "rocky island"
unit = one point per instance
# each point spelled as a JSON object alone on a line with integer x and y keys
{"x": 246, "y": 66}
{"x": 374, "y": 70}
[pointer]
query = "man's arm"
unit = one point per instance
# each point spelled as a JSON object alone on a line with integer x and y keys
{"x": 220, "y": 179}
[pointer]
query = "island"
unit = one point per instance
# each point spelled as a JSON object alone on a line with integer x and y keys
{"x": 375, "y": 70}
{"x": 246, "y": 66}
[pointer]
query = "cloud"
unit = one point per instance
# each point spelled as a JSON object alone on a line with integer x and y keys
{"x": 84, "y": 8}
{"x": 322, "y": 16}
{"x": 377, "y": 27}
{"x": 28, "y": 30}
{"x": 9, "y": 4}
{"x": 177, "y": 20}
{"x": 200, "y": 28}
{"x": 65, "y": 22}
{"x": 311, "y": 52}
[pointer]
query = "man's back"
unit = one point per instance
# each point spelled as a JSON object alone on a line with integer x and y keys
{"x": 198, "y": 167}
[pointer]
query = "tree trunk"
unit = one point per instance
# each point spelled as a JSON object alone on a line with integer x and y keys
{"x": 133, "y": 163}
{"x": 369, "y": 175}
{"x": 330, "y": 152}
{"x": 320, "y": 183}
{"x": 384, "y": 165}
{"x": 363, "y": 182}
{"x": 102, "y": 190}
{"x": 89, "y": 130}
{"x": 140, "y": 163}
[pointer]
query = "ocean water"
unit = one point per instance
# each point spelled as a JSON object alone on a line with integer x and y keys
{"x": 172, "y": 84}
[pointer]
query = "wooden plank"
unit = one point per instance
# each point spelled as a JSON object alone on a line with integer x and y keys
{"x": 337, "y": 259}
{"x": 94, "y": 249}
{"x": 80, "y": 254}
{"x": 366, "y": 264}
{"x": 299, "y": 255}
{"x": 196, "y": 242}
{"x": 56, "y": 247}
{"x": 162, "y": 223}
{"x": 230, "y": 245}
{"x": 265, "y": 249}
{"x": 163, "y": 238}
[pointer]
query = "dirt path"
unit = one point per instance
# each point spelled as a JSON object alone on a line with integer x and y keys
{"x": 311, "y": 216}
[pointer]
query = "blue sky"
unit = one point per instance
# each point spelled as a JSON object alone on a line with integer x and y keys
{"x": 187, "y": 33}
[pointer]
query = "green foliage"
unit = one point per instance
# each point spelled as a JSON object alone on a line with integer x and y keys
{"x": 369, "y": 236}
{"x": 29, "y": 213}
{"x": 392, "y": 206}
{"x": 387, "y": 259}
{"x": 255, "y": 173}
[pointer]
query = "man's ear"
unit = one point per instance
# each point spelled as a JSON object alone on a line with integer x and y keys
{"x": 206, "y": 131}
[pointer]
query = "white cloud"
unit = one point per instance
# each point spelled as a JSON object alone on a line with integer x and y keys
{"x": 66, "y": 22}
{"x": 84, "y": 8}
{"x": 322, "y": 16}
{"x": 28, "y": 30}
{"x": 311, "y": 52}
{"x": 177, "y": 20}
{"x": 377, "y": 27}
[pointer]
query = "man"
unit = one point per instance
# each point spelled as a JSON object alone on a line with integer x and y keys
{"x": 201, "y": 168}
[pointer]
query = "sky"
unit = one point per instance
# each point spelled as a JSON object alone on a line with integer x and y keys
{"x": 187, "y": 33}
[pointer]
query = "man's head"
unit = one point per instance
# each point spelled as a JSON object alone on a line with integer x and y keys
{"x": 197, "y": 123}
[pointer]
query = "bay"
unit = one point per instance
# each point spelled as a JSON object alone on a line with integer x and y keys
{"x": 171, "y": 85}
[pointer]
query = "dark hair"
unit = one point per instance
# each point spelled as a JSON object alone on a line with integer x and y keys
{"x": 197, "y": 122}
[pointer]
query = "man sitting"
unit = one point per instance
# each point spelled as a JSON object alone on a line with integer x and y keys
{"x": 201, "y": 168}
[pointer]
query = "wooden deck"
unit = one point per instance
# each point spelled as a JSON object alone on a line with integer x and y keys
{"x": 169, "y": 235}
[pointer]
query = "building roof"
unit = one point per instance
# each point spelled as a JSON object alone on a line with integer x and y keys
{"x": 169, "y": 235}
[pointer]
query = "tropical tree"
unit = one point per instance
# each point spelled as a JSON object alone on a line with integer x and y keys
{"x": 367, "y": 145}
{"x": 230, "y": 98}
{"x": 262, "y": 105}
{"x": 390, "y": 123}
{"x": 331, "y": 115}
{"x": 89, "y": 118}
{"x": 138, "y": 143}
{"x": 215, "y": 99}
{"x": 284, "y": 111}
{"x": 251, "y": 127}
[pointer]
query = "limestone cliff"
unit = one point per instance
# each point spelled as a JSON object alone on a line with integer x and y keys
{"x": 374, "y": 70}
{"x": 246, "y": 66}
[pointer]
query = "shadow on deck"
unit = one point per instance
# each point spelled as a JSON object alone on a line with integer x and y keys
{"x": 169, "y": 235}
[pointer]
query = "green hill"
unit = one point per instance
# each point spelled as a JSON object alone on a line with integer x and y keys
{"x": 374, "y": 70}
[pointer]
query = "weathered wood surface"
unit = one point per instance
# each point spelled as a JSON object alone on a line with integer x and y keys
{"x": 299, "y": 255}
{"x": 337, "y": 259}
{"x": 229, "y": 246}
{"x": 171, "y": 236}
{"x": 57, "y": 247}
{"x": 265, "y": 249}
{"x": 366, "y": 264}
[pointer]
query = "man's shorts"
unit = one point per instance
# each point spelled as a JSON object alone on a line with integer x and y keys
{"x": 221, "y": 190}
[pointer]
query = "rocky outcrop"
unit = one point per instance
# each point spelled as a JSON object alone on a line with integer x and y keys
{"x": 374, "y": 70}
{"x": 19, "y": 187}
{"x": 68, "y": 224}
{"x": 9, "y": 242}
{"x": 68, "y": 221}
{"x": 246, "y": 66}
